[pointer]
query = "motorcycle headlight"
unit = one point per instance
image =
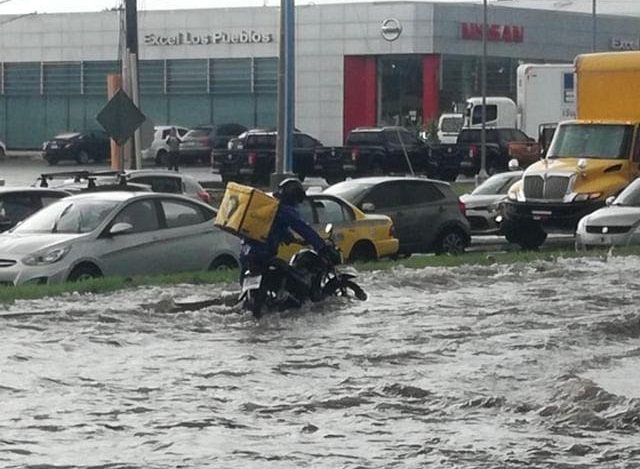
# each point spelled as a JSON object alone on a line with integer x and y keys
{"x": 49, "y": 256}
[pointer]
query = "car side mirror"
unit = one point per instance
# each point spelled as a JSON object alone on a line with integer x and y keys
{"x": 368, "y": 207}
{"x": 120, "y": 228}
{"x": 609, "y": 200}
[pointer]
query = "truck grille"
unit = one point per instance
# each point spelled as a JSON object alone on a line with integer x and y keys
{"x": 553, "y": 187}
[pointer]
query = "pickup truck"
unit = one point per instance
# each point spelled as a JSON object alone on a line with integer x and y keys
{"x": 388, "y": 150}
{"x": 251, "y": 157}
{"x": 503, "y": 145}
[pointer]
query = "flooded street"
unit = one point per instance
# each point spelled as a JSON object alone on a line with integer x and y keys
{"x": 521, "y": 366}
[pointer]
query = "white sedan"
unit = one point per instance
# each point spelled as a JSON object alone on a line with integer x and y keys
{"x": 617, "y": 224}
{"x": 115, "y": 233}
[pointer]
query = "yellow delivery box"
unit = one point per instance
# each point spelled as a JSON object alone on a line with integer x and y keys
{"x": 246, "y": 211}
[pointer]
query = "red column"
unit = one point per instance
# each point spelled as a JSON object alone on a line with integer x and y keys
{"x": 360, "y": 92}
{"x": 430, "y": 87}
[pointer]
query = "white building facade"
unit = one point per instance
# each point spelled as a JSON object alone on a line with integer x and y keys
{"x": 356, "y": 64}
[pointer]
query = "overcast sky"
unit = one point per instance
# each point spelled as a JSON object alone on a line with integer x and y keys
{"x": 9, "y": 7}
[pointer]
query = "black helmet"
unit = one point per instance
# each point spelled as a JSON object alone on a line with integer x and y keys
{"x": 291, "y": 192}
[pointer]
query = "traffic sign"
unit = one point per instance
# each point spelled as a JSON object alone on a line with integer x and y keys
{"x": 120, "y": 117}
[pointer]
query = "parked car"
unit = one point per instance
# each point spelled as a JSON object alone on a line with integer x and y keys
{"x": 17, "y": 203}
{"x": 156, "y": 180}
{"x": 427, "y": 214}
{"x": 617, "y": 224}
{"x": 251, "y": 157}
{"x": 83, "y": 147}
{"x": 158, "y": 151}
{"x": 483, "y": 203}
{"x": 359, "y": 236}
{"x": 3, "y": 150}
{"x": 115, "y": 233}
{"x": 198, "y": 142}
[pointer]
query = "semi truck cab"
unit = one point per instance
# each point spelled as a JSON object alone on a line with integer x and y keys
{"x": 587, "y": 162}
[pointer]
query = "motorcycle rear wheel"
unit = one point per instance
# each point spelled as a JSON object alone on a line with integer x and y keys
{"x": 344, "y": 287}
{"x": 254, "y": 302}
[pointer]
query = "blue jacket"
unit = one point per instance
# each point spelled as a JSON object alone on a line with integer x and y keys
{"x": 287, "y": 219}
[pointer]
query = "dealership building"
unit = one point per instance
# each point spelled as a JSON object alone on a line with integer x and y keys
{"x": 356, "y": 63}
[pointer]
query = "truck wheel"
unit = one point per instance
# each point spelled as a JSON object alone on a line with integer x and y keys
{"x": 529, "y": 236}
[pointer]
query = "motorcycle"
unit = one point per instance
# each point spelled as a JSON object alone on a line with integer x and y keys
{"x": 307, "y": 276}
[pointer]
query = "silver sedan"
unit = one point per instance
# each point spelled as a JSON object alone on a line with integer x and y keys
{"x": 115, "y": 233}
{"x": 617, "y": 224}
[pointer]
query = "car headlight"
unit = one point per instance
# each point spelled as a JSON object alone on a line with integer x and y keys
{"x": 46, "y": 257}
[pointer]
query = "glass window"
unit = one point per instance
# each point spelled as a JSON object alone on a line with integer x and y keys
{"x": 386, "y": 196}
{"x": 400, "y": 90}
{"x": 492, "y": 114}
{"x": 230, "y": 76}
{"x": 141, "y": 215}
{"x": 187, "y": 76}
{"x": 159, "y": 183}
{"x": 179, "y": 214}
{"x": 305, "y": 211}
{"x": 22, "y": 78}
{"x": 266, "y": 75}
{"x": 328, "y": 211}
{"x": 80, "y": 216}
{"x": 62, "y": 79}
{"x": 422, "y": 193}
{"x": 94, "y": 76}
{"x": 152, "y": 76}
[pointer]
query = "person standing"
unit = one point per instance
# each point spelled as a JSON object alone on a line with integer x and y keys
{"x": 173, "y": 142}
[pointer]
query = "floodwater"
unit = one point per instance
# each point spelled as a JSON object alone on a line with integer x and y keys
{"x": 521, "y": 366}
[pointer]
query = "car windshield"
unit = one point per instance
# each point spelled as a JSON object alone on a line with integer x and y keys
{"x": 78, "y": 216}
{"x": 348, "y": 190}
{"x": 591, "y": 141}
{"x": 498, "y": 184}
{"x": 630, "y": 196}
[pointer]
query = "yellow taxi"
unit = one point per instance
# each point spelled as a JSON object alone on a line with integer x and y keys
{"x": 360, "y": 236}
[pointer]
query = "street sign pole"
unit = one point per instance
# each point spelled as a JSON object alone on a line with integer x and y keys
{"x": 286, "y": 92}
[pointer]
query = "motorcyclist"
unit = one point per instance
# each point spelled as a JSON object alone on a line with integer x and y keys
{"x": 255, "y": 255}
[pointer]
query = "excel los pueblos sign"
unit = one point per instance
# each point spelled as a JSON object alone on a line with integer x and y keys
{"x": 187, "y": 38}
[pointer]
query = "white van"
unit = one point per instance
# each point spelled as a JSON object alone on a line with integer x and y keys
{"x": 449, "y": 126}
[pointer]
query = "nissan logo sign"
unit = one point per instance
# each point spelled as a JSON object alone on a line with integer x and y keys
{"x": 391, "y": 29}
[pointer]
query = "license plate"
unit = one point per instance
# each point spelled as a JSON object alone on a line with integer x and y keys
{"x": 251, "y": 283}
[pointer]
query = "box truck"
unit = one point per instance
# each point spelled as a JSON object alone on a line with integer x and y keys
{"x": 590, "y": 158}
{"x": 545, "y": 95}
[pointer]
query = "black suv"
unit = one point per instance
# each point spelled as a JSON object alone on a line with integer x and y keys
{"x": 251, "y": 157}
{"x": 82, "y": 147}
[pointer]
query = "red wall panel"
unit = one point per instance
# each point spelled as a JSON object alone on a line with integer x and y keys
{"x": 360, "y": 92}
{"x": 430, "y": 87}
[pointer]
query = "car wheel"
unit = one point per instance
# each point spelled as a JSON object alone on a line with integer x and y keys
{"x": 162, "y": 158}
{"x": 2, "y": 154}
{"x": 52, "y": 160}
{"x": 84, "y": 272}
{"x": 83, "y": 157}
{"x": 363, "y": 251}
{"x": 223, "y": 263}
{"x": 450, "y": 242}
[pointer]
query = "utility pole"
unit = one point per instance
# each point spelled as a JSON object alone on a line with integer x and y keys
{"x": 482, "y": 175}
{"x": 130, "y": 65}
{"x": 593, "y": 26}
{"x": 286, "y": 94}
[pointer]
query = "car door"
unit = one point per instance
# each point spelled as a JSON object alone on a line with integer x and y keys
{"x": 428, "y": 210}
{"x": 389, "y": 198}
{"x": 140, "y": 251}
{"x": 188, "y": 239}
